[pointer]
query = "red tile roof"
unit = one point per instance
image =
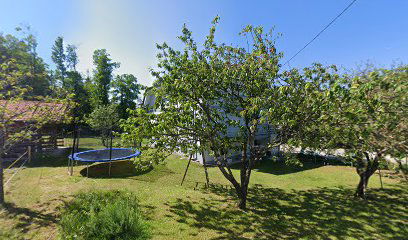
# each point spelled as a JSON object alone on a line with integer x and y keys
{"x": 27, "y": 111}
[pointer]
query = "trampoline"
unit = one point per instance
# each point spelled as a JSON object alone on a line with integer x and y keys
{"x": 105, "y": 155}
{"x": 102, "y": 155}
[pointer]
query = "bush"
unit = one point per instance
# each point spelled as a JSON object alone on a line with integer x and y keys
{"x": 104, "y": 119}
{"x": 103, "y": 215}
{"x": 10, "y": 234}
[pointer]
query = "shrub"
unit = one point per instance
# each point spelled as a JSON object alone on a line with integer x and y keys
{"x": 10, "y": 234}
{"x": 103, "y": 215}
{"x": 104, "y": 119}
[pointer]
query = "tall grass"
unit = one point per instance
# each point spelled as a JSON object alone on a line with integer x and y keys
{"x": 103, "y": 215}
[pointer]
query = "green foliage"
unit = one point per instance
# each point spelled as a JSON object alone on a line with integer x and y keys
{"x": 67, "y": 80}
{"x": 10, "y": 234}
{"x": 102, "y": 77}
{"x": 22, "y": 54}
{"x": 104, "y": 119}
{"x": 204, "y": 92}
{"x": 125, "y": 93}
{"x": 370, "y": 112}
{"x": 367, "y": 116}
{"x": 148, "y": 159}
{"x": 103, "y": 216}
{"x": 298, "y": 101}
{"x": 12, "y": 91}
{"x": 75, "y": 85}
{"x": 58, "y": 56}
{"x": 72, "y": 57}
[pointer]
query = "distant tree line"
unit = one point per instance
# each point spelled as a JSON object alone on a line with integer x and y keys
{"x": 99, "y": 99}
{"x": 97, "y": 91}
{"x": 100, "y": 88}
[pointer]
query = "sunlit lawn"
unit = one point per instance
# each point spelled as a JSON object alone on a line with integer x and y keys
{"x": 313, "y": 202}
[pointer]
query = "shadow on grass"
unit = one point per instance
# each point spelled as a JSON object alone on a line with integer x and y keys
{"x": 118, "y": 169}
{"x": 310, "y": 214}
{"x": 28, "y": 219}
{"x": 56, "y": 158}
{"x": 280, "y": 167}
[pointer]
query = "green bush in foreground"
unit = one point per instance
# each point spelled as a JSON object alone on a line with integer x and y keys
{"x": 103, "y": 215}
{"x": 9, "y": 234}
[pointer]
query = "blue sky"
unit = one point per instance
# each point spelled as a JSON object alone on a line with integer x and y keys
{"x": 372, "y": 30}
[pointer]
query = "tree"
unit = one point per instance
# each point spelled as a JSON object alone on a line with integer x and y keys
{"x": 125, "y": 93}
{"x": 102, "y": 77}
{"x": 203, "y": 93}
{"x": 104, "y": 119}
{"x": 38, "y": 80}
{"x": 58, "y": 57}
{"x": 71, "y": 57}
{"x": 23, "y": 51}
{"x": 11, "y": 93}
{"x": 71, "y": 81}
{"x": 75, "y": 85}
{"x": 371, "y": 120}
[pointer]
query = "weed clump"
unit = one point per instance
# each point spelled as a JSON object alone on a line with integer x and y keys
{"x": 103, "y": 215}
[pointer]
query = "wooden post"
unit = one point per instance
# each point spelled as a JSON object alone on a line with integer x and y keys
{"x": 77, "y": 139}
{"x": 29, "y": 154}
{"x": 71, "y": 172}
{"x": 379, "y": 172}
{"x": 185, "y": 172}
{"x": 40, "y": 143}
{"x": 207, "y": 179}
{"x": 110, "y": 152}
{"x": 70, "y": 160}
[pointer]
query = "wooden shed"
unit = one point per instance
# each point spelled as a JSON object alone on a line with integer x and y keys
{"x": 26, "y": 116}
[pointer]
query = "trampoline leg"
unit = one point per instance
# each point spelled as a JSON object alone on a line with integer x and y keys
{"x": 185, "y": 173}
{"x": 87, "y": 170}
{"x": 110, "y": 165}
{"x": 72, "y": 168}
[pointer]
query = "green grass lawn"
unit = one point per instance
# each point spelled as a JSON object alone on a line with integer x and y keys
{"x": 313, "y": 202}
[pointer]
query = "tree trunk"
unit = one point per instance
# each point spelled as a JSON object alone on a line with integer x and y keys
{"x": 365, "y": 170}
{"x": 239, "y": 189}
{"x": 242, "y": 201}
{"x": 2, "y": 143}
{"x": 1, "y": 182}
{"x": 362, "y": 185}
{"x": 242, "y": 194}
{"x": 207, "y": 179}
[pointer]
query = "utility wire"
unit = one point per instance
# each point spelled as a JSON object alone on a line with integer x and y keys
{"x": 324, "y": 29}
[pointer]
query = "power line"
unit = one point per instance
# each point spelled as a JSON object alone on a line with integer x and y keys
{"x": 324, "y": 29}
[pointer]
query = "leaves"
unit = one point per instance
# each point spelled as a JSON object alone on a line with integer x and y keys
{"x": 106, "y": 120}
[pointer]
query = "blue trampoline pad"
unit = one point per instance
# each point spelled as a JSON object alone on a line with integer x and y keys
{"x": 105, "y": 155}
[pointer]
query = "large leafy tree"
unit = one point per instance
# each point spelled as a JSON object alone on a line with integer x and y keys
{"x": 368, "y": 119}
{"x": 12, "y": 92}
{"x": 299, "y": 102}
{"x": 23, "y": 50}
{"x": 104, "y": 119}
{"x": 203, "y": 93}
{"x": 68, "y": 78}
{"x": 76, "y": 86}
{"x": 125, "y": 92}
{"x": 58, "y": 56}
{"x": 103, "y": 75}
{"x": 71, "y": 57}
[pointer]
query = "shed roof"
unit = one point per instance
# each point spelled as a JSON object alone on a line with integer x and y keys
{"x": 31, "y": 111}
